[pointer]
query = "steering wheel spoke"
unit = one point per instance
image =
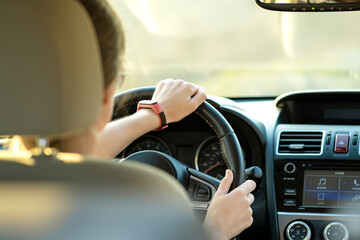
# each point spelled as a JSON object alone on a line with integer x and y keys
{"x": 201, "y": 189}
{"x": 200, "y": 186}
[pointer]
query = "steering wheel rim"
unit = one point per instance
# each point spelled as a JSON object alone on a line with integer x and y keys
{"x": 126, "y": 102}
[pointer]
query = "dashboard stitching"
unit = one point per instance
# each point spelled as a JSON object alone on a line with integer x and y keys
{"x": 222, "y": 149}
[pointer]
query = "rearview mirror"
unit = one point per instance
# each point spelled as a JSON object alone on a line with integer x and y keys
{"x": 310, "y": 5}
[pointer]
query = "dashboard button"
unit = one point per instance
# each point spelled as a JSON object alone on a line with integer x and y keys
{"x": 336, "y": 230}
{"x": 328, "y": 139}
{"x": 298, "y": 230}
{"x": 290, "y": 168}
{"x": 355, "y": 139}
{"x": 289, "y": 202}
{"x": 341, "y": 143}
{"x": 202, "y": 193}
{"x": 290, "y": 192}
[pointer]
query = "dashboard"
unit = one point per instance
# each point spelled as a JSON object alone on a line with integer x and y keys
{"x": 316, "y": 165}
{"x": 195, "y": 144}
{"x": 306, "y": 143}
{"x": 204, "y": 156}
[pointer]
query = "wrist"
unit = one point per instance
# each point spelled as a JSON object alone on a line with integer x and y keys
{"x": 149, "y": 117}
{"x": 157, "y": 109}
{"x": 214, "y": 227}
{"x": 214, "y": 233}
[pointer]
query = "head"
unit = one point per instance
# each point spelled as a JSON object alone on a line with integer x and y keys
{"x": 111, "y": 41}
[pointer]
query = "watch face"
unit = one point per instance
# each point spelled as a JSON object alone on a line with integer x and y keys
{"x": 147, "y": 102}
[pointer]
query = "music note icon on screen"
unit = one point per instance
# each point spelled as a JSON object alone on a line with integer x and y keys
{"x": 322, "y": 182}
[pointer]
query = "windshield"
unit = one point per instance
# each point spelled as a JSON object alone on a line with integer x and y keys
{"x": 234, "y": 48}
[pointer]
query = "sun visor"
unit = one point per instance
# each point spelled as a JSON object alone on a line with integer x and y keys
{"x": 50, "y": 68}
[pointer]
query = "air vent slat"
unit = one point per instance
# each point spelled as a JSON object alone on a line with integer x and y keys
{"x": 297, "y": 135}
{"x": 300, "y": 142}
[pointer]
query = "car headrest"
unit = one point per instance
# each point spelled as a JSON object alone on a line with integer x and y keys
{"x": 50, "y": 68}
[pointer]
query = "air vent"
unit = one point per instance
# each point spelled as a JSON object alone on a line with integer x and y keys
{"x": 300, "y": 142}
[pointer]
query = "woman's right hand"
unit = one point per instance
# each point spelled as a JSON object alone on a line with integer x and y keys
{"x": 178, "y": 98}
{"x": 229, "y": 212}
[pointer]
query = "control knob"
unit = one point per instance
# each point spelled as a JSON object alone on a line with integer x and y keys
{"x": 298, "y": 230}
{"x": 336, "y": 231}
{"x": 290, "y": 168}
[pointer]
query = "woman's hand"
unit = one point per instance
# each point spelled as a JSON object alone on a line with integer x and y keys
{"x": 230, "y": 213}
{"x": 178, "y": 98}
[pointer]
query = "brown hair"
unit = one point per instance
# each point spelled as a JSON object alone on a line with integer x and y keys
{"x": 110, "y": 36}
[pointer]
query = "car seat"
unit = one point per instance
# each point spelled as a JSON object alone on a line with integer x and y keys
{"x": 51, "y": 88}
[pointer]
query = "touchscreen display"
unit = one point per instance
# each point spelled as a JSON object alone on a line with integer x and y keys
{"x": 329, "y": 188}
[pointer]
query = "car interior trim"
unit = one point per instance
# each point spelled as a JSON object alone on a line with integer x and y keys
{"x": 301, "y": 154}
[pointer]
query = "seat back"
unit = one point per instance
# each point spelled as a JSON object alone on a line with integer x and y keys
{"x": 50, "y": 68}
{"x": 51, "y": 86}
{"x": 70, "y": 197}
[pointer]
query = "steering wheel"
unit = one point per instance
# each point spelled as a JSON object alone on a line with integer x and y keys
{"x": 200, "y": 186}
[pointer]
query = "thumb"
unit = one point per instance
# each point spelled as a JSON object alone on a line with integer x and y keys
{"x": 225, "y": 183}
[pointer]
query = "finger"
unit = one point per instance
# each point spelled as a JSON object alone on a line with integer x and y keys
{"x": 225, "y": 183}
{"x": 161, "y": 88}
{"x": 191, "y": 88}
{"x": 164, "y": 82}
{"x": 199, "y": 97}
{"x": 179, "y": 82}
{"x": 248, "y": 186}
{"x": 251, "y": 198}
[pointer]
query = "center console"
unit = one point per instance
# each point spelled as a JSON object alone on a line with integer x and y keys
{"x": 316, "y": 164}
{"x": 317, "y": 181}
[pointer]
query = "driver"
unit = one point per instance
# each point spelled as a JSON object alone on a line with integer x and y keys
{"x": 230, "y": 212}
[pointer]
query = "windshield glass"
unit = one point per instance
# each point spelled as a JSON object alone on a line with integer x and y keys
{"x": 234, "y": 48}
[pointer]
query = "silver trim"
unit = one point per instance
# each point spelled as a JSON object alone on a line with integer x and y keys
{"x": 203, "y": 205}
{"x": 290, "y": 172}
{"x": 124, "y": 152}
{"x": 196, "y": 162}
{"x": 300, "y": 154}
{"x": 284, "y": 218}
{"x": 318, "y": 216}
{"x": 308, "y": 234}
{"x": 346, "y": 237}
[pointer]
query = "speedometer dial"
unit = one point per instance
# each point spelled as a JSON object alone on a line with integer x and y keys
{"x": 147, "y": 142}
{"x": 209, "y": 158}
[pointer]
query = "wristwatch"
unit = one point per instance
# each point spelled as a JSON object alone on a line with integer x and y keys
{"x": 157, "y": 108}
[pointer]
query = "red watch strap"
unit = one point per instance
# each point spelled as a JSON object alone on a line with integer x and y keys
{"x": 162, "y": 122}
{"x": 157, "y": 108}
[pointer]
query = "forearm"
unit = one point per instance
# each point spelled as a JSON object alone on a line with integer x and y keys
{"x": 117, "y": 135}
{"x": 177, "y": 98}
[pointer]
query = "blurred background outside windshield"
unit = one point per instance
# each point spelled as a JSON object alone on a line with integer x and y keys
{"x": 237, "y": 49}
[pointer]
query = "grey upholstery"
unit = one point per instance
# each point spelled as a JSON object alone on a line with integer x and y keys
{"x": 50, "y": 85}
{"x": 50, "y": 69}
{"x": 88, "y": 199}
